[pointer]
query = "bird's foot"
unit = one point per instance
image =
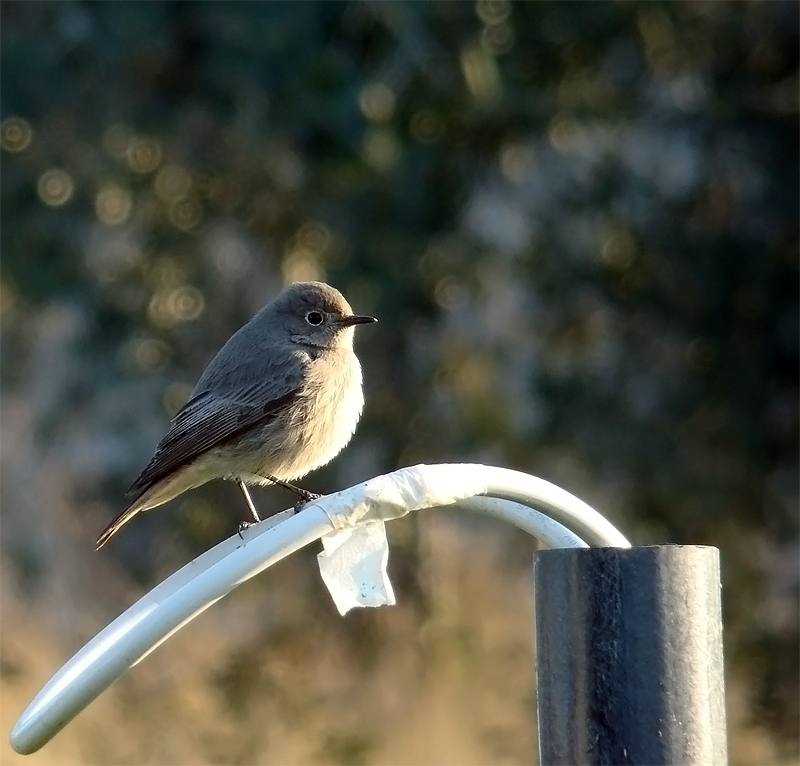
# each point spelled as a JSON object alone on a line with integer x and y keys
{"x": 305, "y": 497}
{"x": 244, "y": 525}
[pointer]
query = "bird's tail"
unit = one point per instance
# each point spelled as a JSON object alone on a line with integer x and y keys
{"x": 151, "y": 496}
{"x": 114, "y": 526}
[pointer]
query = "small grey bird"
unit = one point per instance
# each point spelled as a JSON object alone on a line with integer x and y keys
{"x": 281, "y": 398}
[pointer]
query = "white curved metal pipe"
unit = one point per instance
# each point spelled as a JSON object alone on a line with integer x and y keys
{"x": 155, "y": 617}
{"x": 191, "y": 590}
{"x": 547, "y": 531}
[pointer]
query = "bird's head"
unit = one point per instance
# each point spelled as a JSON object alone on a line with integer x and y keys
{"x": 316, "y": 314}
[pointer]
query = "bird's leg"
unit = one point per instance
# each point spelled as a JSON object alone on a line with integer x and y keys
{"x": 304, "y": 495}
{"x": 245, "y": 524}
{"x": 249, "y": 500}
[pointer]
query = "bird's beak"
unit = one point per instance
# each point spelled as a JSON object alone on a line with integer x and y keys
{"x": 353, "y": 319}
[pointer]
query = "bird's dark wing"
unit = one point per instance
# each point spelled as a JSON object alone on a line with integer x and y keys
{"x": 216, "y": 415}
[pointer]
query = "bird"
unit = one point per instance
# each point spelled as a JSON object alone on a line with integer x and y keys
{"x": 281, "y": 398}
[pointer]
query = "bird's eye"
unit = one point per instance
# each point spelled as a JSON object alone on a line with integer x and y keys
{"x": 315, "y": 318}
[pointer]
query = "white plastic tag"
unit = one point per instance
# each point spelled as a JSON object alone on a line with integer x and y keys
{"x": 353, "y": 567}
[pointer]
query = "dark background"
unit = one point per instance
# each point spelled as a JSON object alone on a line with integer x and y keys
{"x": 577, "y": 223}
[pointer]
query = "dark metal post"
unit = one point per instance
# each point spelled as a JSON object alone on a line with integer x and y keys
{"x": 629, "y": 656}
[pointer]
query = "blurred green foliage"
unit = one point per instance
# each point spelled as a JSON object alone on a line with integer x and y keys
{"x": 577, "y": 223}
